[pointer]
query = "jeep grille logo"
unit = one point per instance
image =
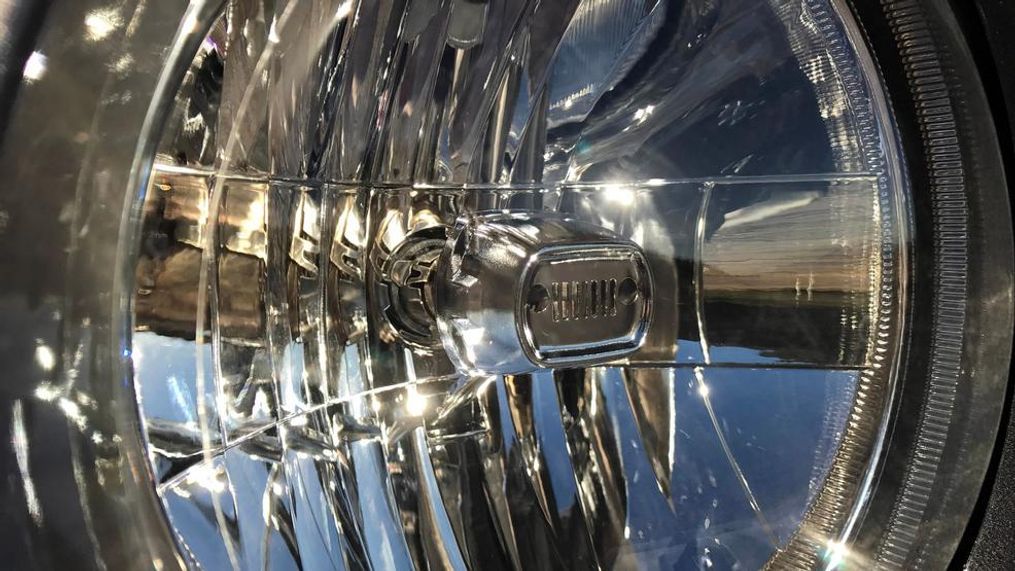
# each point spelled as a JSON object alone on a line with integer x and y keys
{"x": 577, "y": 300}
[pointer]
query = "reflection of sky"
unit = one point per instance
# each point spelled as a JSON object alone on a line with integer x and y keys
{"x": 592, "y": 58}
{"x": 166, "y": 376}
{"x": 546, "y": 408}
{"x": 732, "y": 354}
{"x": 691, "y": 352}
{"x": 782, "y": 426}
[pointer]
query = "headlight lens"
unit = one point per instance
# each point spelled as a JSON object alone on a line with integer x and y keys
{"x": 522, "y": 284}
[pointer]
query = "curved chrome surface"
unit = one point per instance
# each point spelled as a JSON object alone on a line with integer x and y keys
{"x": 515, "y": 292}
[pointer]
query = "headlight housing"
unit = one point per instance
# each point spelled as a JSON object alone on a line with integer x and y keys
{"x": 410, "y": 224}
{"x": 530, "y": 284}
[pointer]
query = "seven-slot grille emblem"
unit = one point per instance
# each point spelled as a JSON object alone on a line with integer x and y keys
{"x": 586, "y": 302}
{"x": 586, "y": 299}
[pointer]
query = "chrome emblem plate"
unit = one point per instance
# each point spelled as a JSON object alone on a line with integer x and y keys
{"x": 515, "y": 292}
{"x": 585, "y": 302}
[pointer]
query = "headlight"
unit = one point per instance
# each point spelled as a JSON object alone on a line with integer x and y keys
{"x": 520, "y": 284}
{"x": 538, "y": 284}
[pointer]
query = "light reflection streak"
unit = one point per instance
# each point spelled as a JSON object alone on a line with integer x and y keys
{"x": 415, "y": 403}
{"x": 836, "y": 554}
{"x": 699, "y": 270}
{"x": 208, "y": 261}
{"x": 641, "y": 115}
{"x": 433, "y": 506}
{"x": 100, "y": 23}
{"x": 301, "y": 415}
{"x": 619, "y": 194}
{"x": 209, "y": 477}
{"x": 19, "y": 440}
{"x": 47, "y": 392}
{"x": 73, "y": 412}
{"x": 44, "y": 357}
{"x": 703, "y": 390}
{"x": 179, "y": 392}
{"x": 35, "y": 67}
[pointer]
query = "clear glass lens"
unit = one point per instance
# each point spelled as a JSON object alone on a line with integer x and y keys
{"x": 520, "y": 283}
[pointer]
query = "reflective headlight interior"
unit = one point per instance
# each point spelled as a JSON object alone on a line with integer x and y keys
{"x": 520, "y": 283}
